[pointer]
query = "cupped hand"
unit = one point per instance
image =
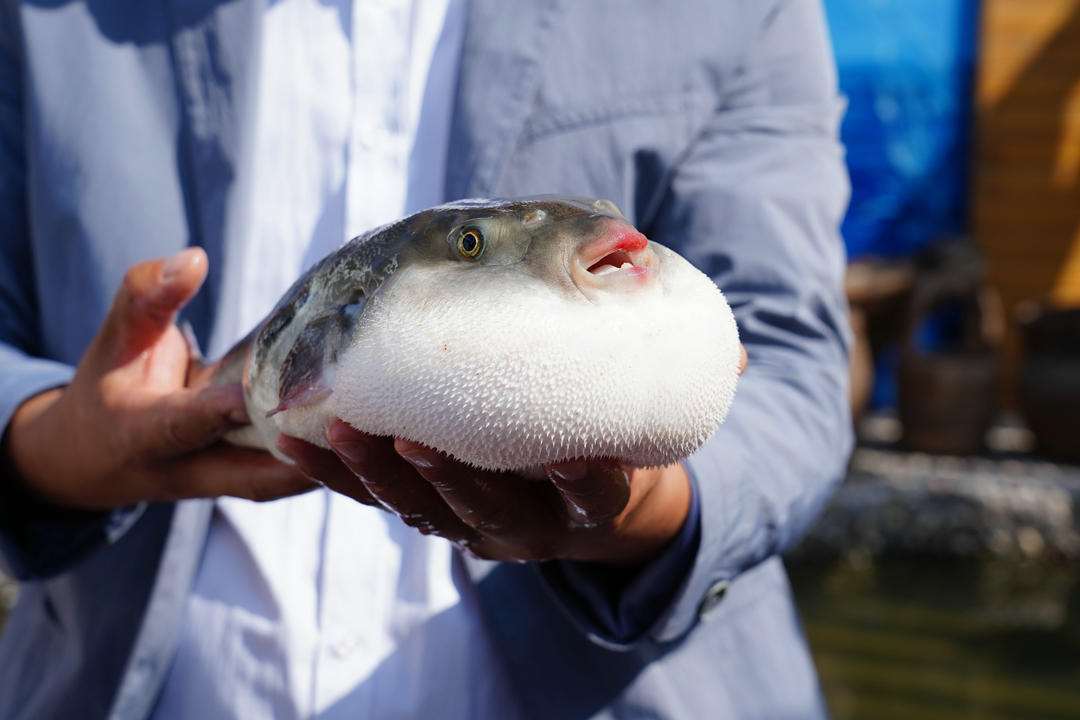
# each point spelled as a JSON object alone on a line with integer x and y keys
{"x": 127, "y": 429}
{"x": 596, "y": 510}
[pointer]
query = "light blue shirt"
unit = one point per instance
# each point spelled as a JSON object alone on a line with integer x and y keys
{"x": 125, "y": 133}
{"x": 296, "y": 602}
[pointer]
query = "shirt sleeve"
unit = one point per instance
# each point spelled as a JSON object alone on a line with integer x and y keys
{"x": 756, "y": 203}
{"x": 622, "y": 604}
{"x": 36, "y": 539}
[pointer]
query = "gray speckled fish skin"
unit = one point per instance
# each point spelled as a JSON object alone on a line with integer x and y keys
{"x": 506, "y": 334}
{"x": 292, "y": 349}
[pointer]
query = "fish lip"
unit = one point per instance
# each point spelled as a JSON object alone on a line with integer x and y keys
{"x": 619, "y": 244}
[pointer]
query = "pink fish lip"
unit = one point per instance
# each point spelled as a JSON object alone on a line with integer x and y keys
{"x": 619, "y": 259}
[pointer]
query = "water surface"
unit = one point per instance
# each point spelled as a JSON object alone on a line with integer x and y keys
{"x": 944, "y": 640}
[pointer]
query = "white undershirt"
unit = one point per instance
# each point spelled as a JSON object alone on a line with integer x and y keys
{"x": 317, "y": 605}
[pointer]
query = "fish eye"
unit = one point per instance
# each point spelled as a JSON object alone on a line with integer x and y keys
{"x": 470, "y": 243}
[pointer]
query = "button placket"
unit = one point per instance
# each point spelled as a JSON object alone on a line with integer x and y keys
{"x": 376, "y": 187}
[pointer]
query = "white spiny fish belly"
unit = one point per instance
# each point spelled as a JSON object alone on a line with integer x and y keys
{"x": 503, "y": 370}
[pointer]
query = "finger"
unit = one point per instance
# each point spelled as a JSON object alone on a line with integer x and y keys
{"x": 495, "y": 504}
{"x": 147, "y": 302}
{"x": 325, "y": 467}
{"x": 190, "y": 420}
{"x": 593, "y": 492}
{"x": 744, "y": 359}
{"x": 234, "y": 471}
{"x": 394, "y": 483}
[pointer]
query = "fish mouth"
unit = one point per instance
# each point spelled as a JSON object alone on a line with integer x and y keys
{"x": 620, "y": 259}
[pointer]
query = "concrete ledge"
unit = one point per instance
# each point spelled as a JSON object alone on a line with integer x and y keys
{"x": 914, "y": 504}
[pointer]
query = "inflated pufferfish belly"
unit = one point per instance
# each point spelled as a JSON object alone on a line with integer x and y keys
{"x": 508, "y": 334}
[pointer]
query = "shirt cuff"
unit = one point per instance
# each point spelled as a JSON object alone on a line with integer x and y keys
{"x": 37, "y": 538}
{"x": 40, "y": 540}
{"x": 618, "y": 605}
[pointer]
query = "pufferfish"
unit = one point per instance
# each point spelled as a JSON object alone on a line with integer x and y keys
{"x": 507, "y": 334}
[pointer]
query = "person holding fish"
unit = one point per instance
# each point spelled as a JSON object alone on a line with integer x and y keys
{"x": 506, "y": 465}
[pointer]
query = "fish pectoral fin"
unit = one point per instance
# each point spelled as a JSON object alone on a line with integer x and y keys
{"x": 304, "y": 373}
{"x": 309, "y": 395}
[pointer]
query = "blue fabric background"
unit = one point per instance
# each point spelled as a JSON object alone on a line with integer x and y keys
{"x": 906, "y": 67}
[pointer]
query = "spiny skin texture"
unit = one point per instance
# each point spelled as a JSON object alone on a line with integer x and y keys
{"x": 568, "y": 335}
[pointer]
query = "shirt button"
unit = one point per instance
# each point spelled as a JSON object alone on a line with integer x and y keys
{"x": 344, "y": 647}
{"x": 712, "y": 598}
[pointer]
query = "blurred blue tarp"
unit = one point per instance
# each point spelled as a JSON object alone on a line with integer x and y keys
{"x": 906, "y": 67}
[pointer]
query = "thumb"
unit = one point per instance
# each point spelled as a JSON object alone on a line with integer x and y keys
{"x": 146, "y": 304}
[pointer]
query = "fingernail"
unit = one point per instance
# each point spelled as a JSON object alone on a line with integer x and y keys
{"x": 177, "y": 264}
{"x": 239, "y": 416}
{"x": 579, "y": 516}
{"x": 613, "y": 475}
{"x": 569, "y": 471}
{"x": 347, "y": 442}
{"x": 282, "y": 443}
{"x": 353, "y": 451}
{"x": 418, "y": 458}
{"x": 307, "y": 475}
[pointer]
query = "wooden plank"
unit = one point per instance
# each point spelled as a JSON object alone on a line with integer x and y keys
{"x": 1026, "y": 179}
{"x": 1015, "y": 33}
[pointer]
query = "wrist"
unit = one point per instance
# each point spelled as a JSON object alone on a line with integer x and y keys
{"x": 652, "y": 522}
{"x": 24, "y": 443}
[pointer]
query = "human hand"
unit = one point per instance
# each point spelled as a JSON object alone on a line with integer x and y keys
{"x": 597, "y": 510}
{"x": 127, "y": 429}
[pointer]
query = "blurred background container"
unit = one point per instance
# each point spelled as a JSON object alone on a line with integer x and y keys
{"x": 943, "y": 582}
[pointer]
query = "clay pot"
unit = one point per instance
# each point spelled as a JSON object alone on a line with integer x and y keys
{"x": 948, "y": 401}
{"x": 948, "y": 397}
{"x": 1050, "y": 378}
